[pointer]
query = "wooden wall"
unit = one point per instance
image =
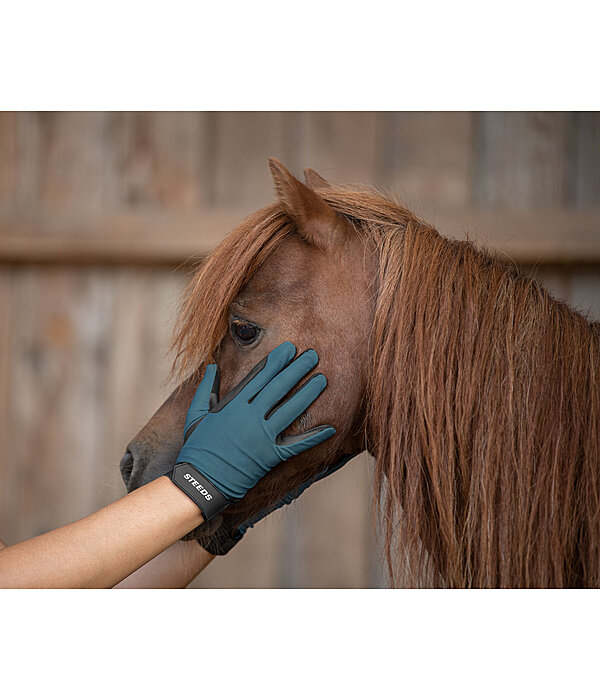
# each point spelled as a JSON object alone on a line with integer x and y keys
{"x": 99, "y": 210}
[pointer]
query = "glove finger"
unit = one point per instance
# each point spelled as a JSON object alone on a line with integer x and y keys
{"x": 286, "y": 380}
{"x": 287, "y": 412}
{"x": 201, "y": 403}
{"x": 266, "y": 369}
{"x": 295, "y": 444}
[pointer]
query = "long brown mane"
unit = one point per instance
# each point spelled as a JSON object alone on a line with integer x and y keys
{"x": 484, "y": 401}
{"x": 202, "y": 321}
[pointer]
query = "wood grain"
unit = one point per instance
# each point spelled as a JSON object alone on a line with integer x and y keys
{"x": 137, "y": 380}
{"x": 56, "y": 395}
{"x": 334, "y": 517}
{"x": 8, "y": 159}
{"x": 242, "y": 143}
{"x": 165, "y": 239}
{"x": 585, "y": 292}
{"x": 586, "y": 186}
{"x": 426, "y": 158}
{"x": 160, "y": 159}
{"x": 340, "y": 146}
{"x": 7, "y": 476}
{"x": 522, "y": 159}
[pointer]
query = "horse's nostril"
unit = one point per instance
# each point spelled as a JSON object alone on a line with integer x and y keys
{"x": 126, "y": 465}
{"x": 127, "y": 459}
{"x": 142, "y": 462}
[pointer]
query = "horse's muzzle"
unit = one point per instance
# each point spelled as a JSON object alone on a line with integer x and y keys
{"x": 142, "y": 463}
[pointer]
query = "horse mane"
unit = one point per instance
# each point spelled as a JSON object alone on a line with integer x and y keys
{"x": 203, "y": 315}
{"x": 485, "y": 420}
{"x": 484, "y": 400}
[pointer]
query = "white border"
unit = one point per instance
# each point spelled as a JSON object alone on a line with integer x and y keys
{"x": 299, "y": 644}
{"x": 301, "y": 55}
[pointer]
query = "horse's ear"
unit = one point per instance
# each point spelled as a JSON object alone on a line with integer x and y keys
{"x": 314, "y": 180}
{"x": 317, "y": 222}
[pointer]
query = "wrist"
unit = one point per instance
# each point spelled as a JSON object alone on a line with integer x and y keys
{"x": 184, "y": 510}
{"x": 199, "y": 489}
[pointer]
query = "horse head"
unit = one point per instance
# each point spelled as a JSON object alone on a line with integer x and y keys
{"x": 294, "y": 271}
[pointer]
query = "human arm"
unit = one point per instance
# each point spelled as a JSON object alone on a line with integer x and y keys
{"x": 105, "y": 547}
{"x": 179, "y": 565}
{"x": 176, "y": 567}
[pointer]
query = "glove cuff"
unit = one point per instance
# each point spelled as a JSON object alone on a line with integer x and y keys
{"x": 195, "y": 485}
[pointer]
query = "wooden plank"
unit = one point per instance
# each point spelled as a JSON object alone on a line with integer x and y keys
{"x": 6, "y": 360}
{"x": 242, "y": 143}
{"x": 142, "y": 316}
{"x": 163, "y": 238}
{"x": 556, "y": 236}
{"x": 340, "y": 146}
{"x": 334, "y": 530}
{"x": 426, "y": 157}
{"x": 85, "y": 367}
{"x": 60, "y": 341}
{"x": 27, "y": 164}
{"x": 128, "y": 381}
{"x": 253, "y": 563}
{"x": 97, "y": 160}
{"x": 160, "y": 159}
{"x": 8, "y": 159}
{"x": 68, "y": 157}
{"x": 557, "y": 279}
{"x": 587, "y": 166}
{"x": 522, "y": 159}
{"x": 585, "y": 292}
{"x": 148, "y": 237}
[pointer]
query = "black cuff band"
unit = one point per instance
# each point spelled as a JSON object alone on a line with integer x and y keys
{"x": 204, "y": 494}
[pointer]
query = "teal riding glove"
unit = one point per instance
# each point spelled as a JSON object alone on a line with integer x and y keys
{"x": 232, "y": 443}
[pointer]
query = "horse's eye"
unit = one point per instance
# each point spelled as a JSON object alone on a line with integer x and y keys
{"x": 244, "y": 332}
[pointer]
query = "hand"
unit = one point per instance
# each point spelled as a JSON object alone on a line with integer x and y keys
{"x": 232, "y": 443}
{"x": 225, "y": 538}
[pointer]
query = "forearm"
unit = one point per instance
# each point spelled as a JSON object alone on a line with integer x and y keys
{"x": 105, "y": 547}
{"x": 176, "y": 567}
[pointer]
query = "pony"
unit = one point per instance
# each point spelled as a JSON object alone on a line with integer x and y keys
{"x": 474, "y": 389}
